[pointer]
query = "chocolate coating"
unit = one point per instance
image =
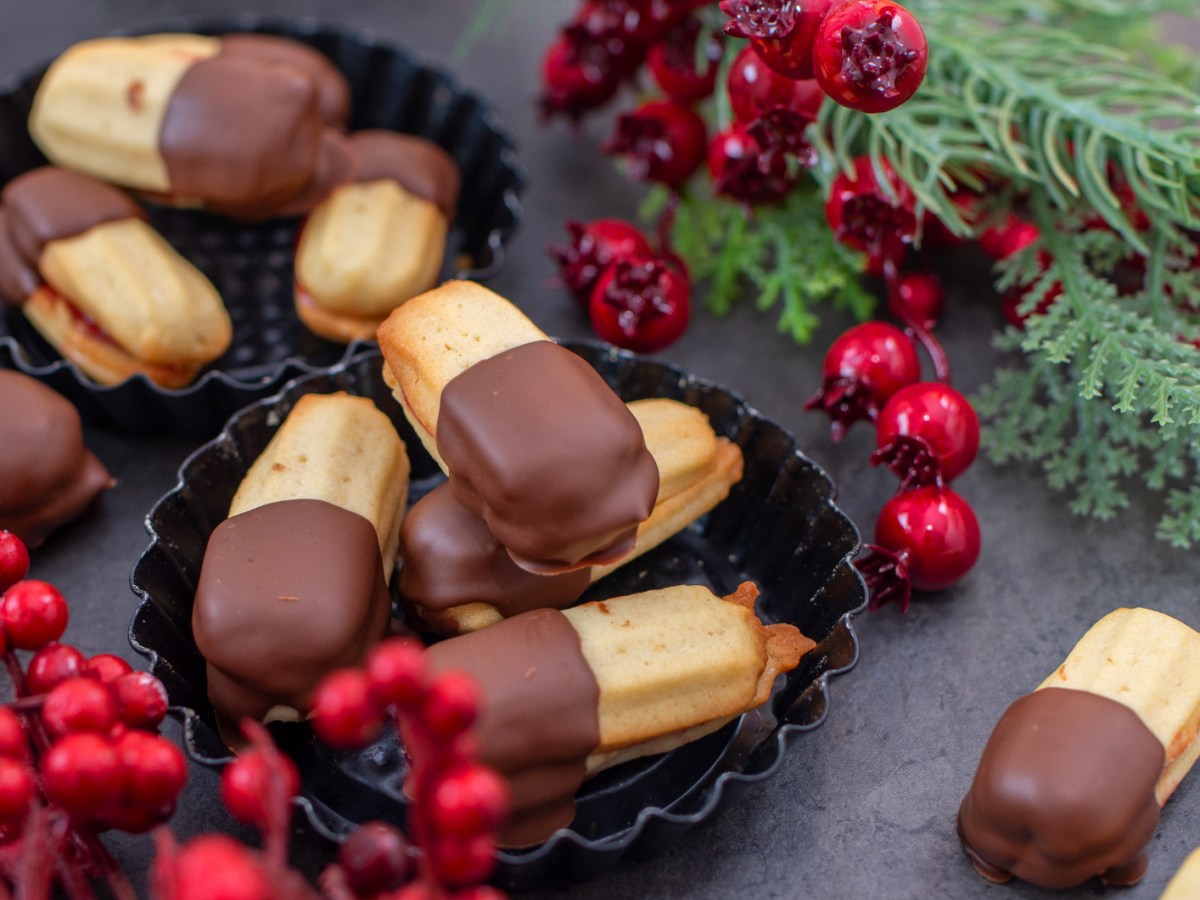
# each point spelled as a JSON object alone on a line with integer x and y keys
{"x": 47, "y": 476}
{"x": 288, "y": 592}
{"x": 450, "y": 558}
{"x": 419, "y": 166}
{"x": 333, "y": 91}
{"x": 18, "y": 277}
{"x": 543, "y": 450}
{"x": 241, "y": 134}
{"x": 539, "y": 718}
{"x": 1064, "y": 792}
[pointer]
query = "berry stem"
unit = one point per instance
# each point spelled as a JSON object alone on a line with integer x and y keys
{"x": 933, "y": 347}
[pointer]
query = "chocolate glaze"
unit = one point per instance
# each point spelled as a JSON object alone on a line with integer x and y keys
{"x": 1064, "y": 792}
{"x": 50, "y": 204}
{"x": 47, "y": 476}
{"x": 539, "y": 718}
{"x": 540, "y": 447}
{"x": 419, "y": 166}
{"x": 451, "y": 558}
{"x": 288, "y": 592}
{"x": 241, "y": 134}
{"x": 336, "y": 164}
{"x": 333, "y": 91}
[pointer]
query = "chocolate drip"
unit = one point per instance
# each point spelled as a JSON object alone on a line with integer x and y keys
{"x": 241, "y": 134}
{"x": 333, "y": 91}
{"x": 539, "y": 719}
{"x": 288, "y": 592}
{"x": 450, "y": 558}
{"x": 419, "y": 166}
{"x": 540, "y": 447}
{"x": 1064, "y": 792}
{"x": 47, "y": 476}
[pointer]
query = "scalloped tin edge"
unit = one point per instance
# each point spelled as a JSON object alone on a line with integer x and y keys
{"x": 840, "y": 646}
{"x": 13, "y": 355}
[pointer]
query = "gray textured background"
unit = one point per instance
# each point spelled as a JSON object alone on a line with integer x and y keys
{"x": 863, "y": 806}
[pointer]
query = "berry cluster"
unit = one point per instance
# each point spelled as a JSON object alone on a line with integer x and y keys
{"x": 457, "y": 803}
{"x": 79, "y": 752}
{"x": 866, "y": 54}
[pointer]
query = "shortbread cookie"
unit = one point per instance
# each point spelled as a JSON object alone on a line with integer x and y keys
{"x": 47, "y": 476}
{"x": 1185, "y": 884}
{"x": 1071, "y": 781}
{"x": 340, "y": 449}
{"x": 108, "y": 292}
{"x": 288, "y": 592}
{"x": 567, "y": 694}
{"x": 377, "y": 241}
{"x": 459, "y": 578}
{"x": 532, "y": 438}
{"x": 239, "y": 126}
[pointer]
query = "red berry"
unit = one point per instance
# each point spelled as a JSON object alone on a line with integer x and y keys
{"x": 673, "y": 60}
{"x": 155, "y": 771}
{"x": 251, "y": 782}
{"x": 469, "y": 800}
{"x": 14, "y": 560}
{"x": 1010, "y": 236}
{"x": 660, "y": 141}
{"x": 870, "y": 55}
{"x": 142, "y": 700}
{"x": 16, "y": 790}
{"x": 374, "y": 858}
{"x": 638, "y": 22}
{"x": 82, "y": 774}
{"x": 864, "y": 367}
{"x": 343, "y": 713}
{"x": 451, "y": 705}
{"x": 14, "y": 743}
{"x": 106, "y": 668}
{"x": 52, "y": 665}
{"x": 397, "y": 673}
{"x": 34, "y": 614}
{"x": 863, "y": 215}
{"x": 742, "y": 169}
{"x": 79, "y": 704}
{"x": 461, "y": 862}
{"x": 641, "y": 304}
{"x": 916, "y": 298}
{"x": 578, "y": 74}
{"x": 781, "y": 32}
{"x": 937, "y": 532}
{"x": 593, "y": 246}
{"x": 755, "y": 89}
{"x": 216, "y": 867}
{"x": 937, "y": 415}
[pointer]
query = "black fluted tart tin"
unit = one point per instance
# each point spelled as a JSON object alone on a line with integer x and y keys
{"x": 779, "y": 527}
{"x": 251, "y": 263}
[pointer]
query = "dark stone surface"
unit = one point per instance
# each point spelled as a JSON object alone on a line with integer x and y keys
{"x": 864, "y": 806}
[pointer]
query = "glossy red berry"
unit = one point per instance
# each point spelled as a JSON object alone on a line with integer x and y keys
{"x": 82, "y": 774}
{"x": 781, "y": 32}
{"x": 742, "y": 170}
{"x": 593, "y": 246}
{"x": 870, "y": 55}
{"x": 451, "y": 704}
{"x": 1009, "y": 236}
{"x": 106, "y": 668}
{"x": 252, "y": 781}
{"x": 673, "y": 62}
{"x": 938, "y": 416}
{"x": 17, "y": 789}
{"x": 14, "y": 560}
{"x": 216, "y": 867}
{"x": 34, "y": 614}
{"x": 862, "y": 369}
{"x": 469, "y": 800}
{"x": 460, "y": 862}
{"x": 374, "y": 858}
{"x": 142, "y": 699}
{"x": 642, "y": 304}
{"x": 755, "y": 89}
{"x": 660, "y": 141}
{"x": 397, "y": 672}
{"x": 79, "y": 704}
{"x": 155, "y": 771}
{"x": 936, "y": 530}
{"x": 14, "y": 743}
{"x": 916, "y": 298}
{"x": 863, "y": 215}
{"x": 343, "y": 713}
{"x": 51, "y": 666}
{"x": 578, "y": 75}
